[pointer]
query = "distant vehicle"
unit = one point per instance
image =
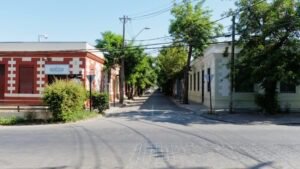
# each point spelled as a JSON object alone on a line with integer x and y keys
{"x": 149, "y": 91}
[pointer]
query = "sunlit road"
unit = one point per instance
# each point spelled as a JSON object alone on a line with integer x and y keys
{"x": 156, "y": 134}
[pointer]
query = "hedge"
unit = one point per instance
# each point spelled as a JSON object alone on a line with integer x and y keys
{"x": 100, "y": 101}
{"x": 65, "y": 99}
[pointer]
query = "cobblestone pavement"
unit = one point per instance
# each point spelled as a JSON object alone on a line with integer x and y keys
{"x": 150, "y": 133}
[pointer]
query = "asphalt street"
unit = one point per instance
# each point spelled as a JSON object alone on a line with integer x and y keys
{"x": 150, "y": 133}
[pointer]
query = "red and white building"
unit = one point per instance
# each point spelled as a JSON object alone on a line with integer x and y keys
{"x": 27, "y": 67}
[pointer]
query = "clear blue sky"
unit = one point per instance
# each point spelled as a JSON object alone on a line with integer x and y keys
{"x": 84, "y": 20}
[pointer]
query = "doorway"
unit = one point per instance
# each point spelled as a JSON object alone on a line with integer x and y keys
{"x": 26, "y": 79}
{"x": 2, "y": 81}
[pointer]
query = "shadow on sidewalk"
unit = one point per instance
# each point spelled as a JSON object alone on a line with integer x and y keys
{"x": 159, "y": 108}
{"x": 242, "y": 116}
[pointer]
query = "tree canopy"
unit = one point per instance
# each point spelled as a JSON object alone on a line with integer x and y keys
{"x": 111, "y": 43}
{"x": 139, "y": 71}
{"x": 269, "y": 42}
{"x": 192, "y": 27}
{"x": 170, "y": 62}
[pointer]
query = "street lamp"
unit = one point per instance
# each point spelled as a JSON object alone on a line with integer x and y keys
{"x": 40, "y": 36}
{"x": 122, "y": 70}
{"x": 145, "y": 28}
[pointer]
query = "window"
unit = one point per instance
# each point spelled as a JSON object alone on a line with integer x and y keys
{"x": 26, "y": 79}
{"x": 53, "y": 78}
{"x": 2, "y": 81}
{"x": 194, "y": 81}
{"x": 198, "y": 81}
{"x": 208, "y": 80}
{"x": 287, "y": 88}
{"x": 191, "y": 84}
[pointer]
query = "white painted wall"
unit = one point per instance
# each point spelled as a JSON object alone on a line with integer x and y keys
{"x": 213, "y": 58}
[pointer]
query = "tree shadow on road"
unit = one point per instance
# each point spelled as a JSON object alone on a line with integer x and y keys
{"x": 158, "y": 108}
{"x": 165, "y": 116}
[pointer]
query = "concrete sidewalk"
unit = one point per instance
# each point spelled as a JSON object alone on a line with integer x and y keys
{"x": 241, "y": 117}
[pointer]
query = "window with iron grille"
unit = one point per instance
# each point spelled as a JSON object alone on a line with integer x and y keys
{"x": 198, "y": 81}
{"x": 208, "y": 80}
{"x": 191, "y": 84}
{"x": 194, "y": 81}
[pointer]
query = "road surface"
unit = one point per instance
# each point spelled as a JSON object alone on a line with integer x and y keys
{"x": 151, "y": 133}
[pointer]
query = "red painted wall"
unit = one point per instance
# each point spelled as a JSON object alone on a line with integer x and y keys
{"x": 12, "y": 97}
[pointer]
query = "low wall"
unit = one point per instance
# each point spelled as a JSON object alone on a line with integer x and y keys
{"x": 30, "y": 112}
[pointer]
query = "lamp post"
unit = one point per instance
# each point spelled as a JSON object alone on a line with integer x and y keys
{"x": 145, "y": 28}
{"x": 40, "y": 36}
{"x": 122, "y": 72}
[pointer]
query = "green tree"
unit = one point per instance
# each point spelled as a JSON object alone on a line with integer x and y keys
{"x": 269, "y": 41}
{"x": 193, "y": 27}
{"x": 139, "y": 71}
{"x": 111, "y": 43}
{"x": 170, "y": 62}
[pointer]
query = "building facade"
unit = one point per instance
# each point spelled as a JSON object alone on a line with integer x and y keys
{"x": 27, "y": 67}
{"x": 215, "y": 63}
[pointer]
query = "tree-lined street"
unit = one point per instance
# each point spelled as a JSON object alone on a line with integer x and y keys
{"x": 152, "y": 133}
{"x": 227, "y": 92}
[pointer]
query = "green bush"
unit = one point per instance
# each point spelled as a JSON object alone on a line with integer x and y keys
{"x": 100, "y": 101}
{"x": 65, "y": 99}
{"x": 10, "y": 120}
{"x": 266, "y": 104}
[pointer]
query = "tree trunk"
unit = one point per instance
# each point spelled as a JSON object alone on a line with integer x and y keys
{"x": 130, "y": 92}
{"x": 186, "y": 77}
{"x": 271, "y": 102}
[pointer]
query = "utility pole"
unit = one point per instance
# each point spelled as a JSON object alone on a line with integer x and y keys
{"x": 232, "y": 67}
{"x": 124, "y": 20}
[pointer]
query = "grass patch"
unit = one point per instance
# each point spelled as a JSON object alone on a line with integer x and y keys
{"x": 82, "y": 115}
{"x": 77, "y": 116}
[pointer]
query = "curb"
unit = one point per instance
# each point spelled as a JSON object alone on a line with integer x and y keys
{"x": 200, "y": 114}
{"x": 211, "y": 117}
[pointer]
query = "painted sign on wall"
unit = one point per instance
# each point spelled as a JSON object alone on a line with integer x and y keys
{"x": 57, "y": 69}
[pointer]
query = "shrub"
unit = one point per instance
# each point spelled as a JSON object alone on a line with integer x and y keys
{"x": 81, "y": 115}
{"x": 266, "y": 104}
{"x": 100, "y": 101}
{"x": 11, "y": 120}
{"x": 65, "y": 99}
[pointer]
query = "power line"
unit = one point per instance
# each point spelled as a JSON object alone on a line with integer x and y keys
{"x": 176, "y": 45}
{"x": 153, "y": 14}
{"x": 6, "y": 53}
{"x": 236, "y": 13}
{"x": 151, "y": 11}
{"x": 158, "y": 12}
{"x": 152, "y": 39}
{"x": 168, "y": 37}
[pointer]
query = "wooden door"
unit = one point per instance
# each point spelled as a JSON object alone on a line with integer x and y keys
{"x": 26, "y": 79}
{"x": 2, "y": 81}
